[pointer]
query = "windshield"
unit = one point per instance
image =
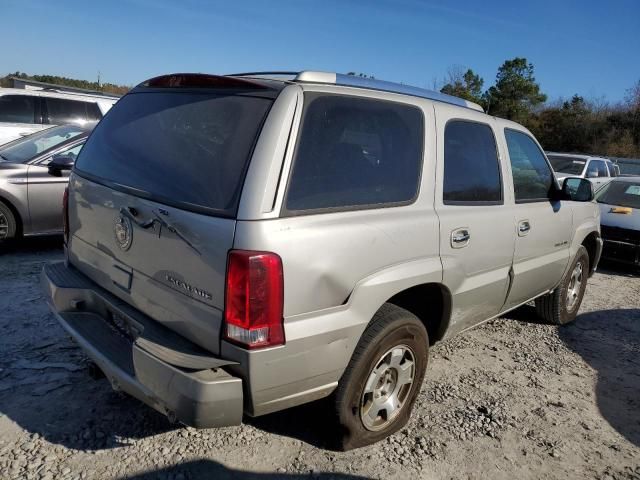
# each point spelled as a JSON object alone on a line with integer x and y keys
{"x": 569, "y": 165}
{"x": 25, "y": 149}
{"x": 620, "y": 193}
{"x": 182, "y": 148}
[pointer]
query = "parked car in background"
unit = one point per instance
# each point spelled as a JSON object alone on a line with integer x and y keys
{"x": 244, "y": 244}
{"x": 34, "y": 171}
{"x": 596, "y": 169}
{"x": 627, "y": 166}
{"x": 620, "y": 219}
{"x": 23, "y": 112}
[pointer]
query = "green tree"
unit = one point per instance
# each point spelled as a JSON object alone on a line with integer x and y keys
{"x": 516, "y": 92}
{"x": 467, "y": 85}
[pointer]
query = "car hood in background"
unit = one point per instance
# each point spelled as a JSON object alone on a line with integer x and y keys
{"x": 629, "y": 221}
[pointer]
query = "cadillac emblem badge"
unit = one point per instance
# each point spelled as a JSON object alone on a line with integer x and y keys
{"x": 123, "y": 231}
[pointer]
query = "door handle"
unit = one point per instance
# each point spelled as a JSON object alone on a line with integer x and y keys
{"x": 524, "y": 227}
{"x": 460, "y": 238}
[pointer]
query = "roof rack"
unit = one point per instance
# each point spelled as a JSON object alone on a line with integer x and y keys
{"x": 308, "y": 76}
{"x": 275, "y": 75}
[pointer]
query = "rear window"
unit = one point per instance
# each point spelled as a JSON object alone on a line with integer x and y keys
{"x": 182, "y": 148}
{"x": 355, "y": 153}
{"x": 570, "y": 165}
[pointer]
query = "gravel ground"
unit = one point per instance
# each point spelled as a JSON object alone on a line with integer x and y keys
{"x": 510, "y": 399}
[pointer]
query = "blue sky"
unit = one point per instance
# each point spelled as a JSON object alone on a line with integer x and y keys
{"x": 577, "y": 46}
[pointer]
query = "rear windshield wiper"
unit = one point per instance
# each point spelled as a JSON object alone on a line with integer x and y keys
{"x": 158, "y": 219}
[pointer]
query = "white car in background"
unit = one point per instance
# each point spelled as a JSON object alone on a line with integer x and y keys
{"x": 597, "y": 170}
{"x": 23, "y": 112}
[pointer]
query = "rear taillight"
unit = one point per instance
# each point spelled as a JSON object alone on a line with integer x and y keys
{"x": 254, "y": 299}
{"x": 65, "y": 215}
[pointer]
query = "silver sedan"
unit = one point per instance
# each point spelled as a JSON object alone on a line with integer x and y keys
{"x": 34, "y": 171}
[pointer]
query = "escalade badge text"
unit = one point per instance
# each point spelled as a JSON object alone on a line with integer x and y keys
{"x": 188, "y": 288}
{"x": 123, "y": 232}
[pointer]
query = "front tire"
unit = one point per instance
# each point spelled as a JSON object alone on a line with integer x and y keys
{"x": 8, "y": 226}
{"x": 377, "y": 391}
{"x": 561, "y": 306}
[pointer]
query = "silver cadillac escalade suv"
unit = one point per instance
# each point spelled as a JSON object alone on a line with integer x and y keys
{"x": 246, "y": 243}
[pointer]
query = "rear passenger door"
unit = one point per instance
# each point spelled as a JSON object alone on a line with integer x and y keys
{"x": 543, "y": 225}
{"x": 476, "y": 223}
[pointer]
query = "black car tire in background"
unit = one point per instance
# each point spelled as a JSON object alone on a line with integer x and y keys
{"x": 8, "y": 226}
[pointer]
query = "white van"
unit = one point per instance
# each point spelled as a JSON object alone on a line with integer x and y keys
{"x": 23, "y": 112}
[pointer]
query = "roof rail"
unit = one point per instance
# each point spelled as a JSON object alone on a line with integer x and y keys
{"x": 95, "y": 94}
{"x": 276, "y": 75}
{"x": 309, "y": 76}
{"x": 372, "y": 84}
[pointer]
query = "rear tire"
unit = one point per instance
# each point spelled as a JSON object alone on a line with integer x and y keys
{"x": 561, "y": 306}
{"x": 377, "y": 391}
{"x": 8, "y": 225}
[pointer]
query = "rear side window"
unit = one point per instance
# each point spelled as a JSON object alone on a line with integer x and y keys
{"x": 18, "y": 109}
{"x": 471, "y": 168}
{"x": 597, "y": 168}
{"x": 355, "y": 153}
{"x": 189, "y": 149}
{"x": 61, "y": 111}
{"x": 532, "y": 177}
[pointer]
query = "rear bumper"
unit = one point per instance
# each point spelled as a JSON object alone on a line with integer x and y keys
{"x": 142, "y": 358}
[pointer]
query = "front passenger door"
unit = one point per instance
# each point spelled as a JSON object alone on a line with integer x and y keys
{"x": 46, "y": 191}
{"x": 543, "y": 226}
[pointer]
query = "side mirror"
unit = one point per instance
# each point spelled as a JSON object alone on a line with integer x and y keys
{"x": 592, "y": 174}
{"x": 60, "y": 163}
{"x": 577, "y": 189}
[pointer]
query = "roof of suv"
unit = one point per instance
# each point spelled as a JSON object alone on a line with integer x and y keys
{"x": 59, "y": 94}
{"x": 278, "y": 80}
{"x": 580, "y": 156}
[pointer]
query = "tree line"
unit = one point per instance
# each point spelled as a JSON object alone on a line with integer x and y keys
{"x": 68, "y": 82}
{"x": 576, "y": 125}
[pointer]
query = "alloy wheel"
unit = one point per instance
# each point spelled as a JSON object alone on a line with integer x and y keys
{"x": 387, "y": 387}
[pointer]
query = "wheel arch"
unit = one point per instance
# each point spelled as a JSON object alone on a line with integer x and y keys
{"x": 415, "y": 286}
{"x": 592, "y": 244}
{"x": 431, "y": 303}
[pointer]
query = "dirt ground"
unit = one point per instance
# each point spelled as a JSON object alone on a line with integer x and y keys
{"x": 511, "y": 399}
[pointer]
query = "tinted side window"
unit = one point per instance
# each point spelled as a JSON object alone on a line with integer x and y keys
{"x": 18, "y": 109}
{"x": 532, "y": 177}
{"x": 61, "y": 111}
{"x": 471, "y": 168}
{"x": 355, "y": 152}
{"x": 93, "y": 112}
{"x": 597, "y": 168}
